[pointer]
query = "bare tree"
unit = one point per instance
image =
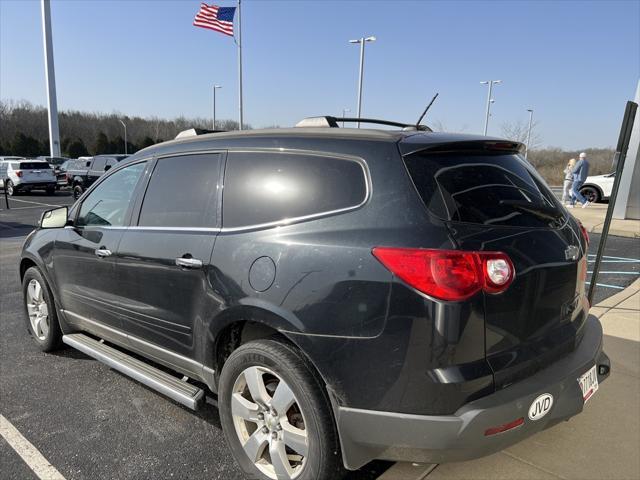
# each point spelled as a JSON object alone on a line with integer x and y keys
{"x": 518, "y": 131}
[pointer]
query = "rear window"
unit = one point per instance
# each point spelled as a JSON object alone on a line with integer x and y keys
{"x": 483, "y": 189}
{"x": 34, "y": 166}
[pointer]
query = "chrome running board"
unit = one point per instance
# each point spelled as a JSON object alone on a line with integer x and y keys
{"x": 174, "y": 388}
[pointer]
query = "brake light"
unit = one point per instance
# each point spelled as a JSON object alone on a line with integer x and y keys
{"x": 19, "y": 173}
{"x": 448, "y": 274}
{"x": 585, "y": 234}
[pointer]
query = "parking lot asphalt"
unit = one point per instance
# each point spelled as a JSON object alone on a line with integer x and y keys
{"x": 90, "y": 422}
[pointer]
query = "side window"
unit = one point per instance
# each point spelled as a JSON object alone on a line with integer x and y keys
{"x": 107, "y": 205}
{"x": 182, "y": 192}
{"x": 264, "y": 188}
{"x": 99, "y": 163}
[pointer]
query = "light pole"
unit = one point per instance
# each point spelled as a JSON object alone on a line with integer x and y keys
{"x": 526, "y": 152}
{"x": 215, "y": 87}
{"x": 491, "y": 83}
{"x": 344, "y": 110}
{"x": 125, "y": 135}
{"x": 361, "y": 41}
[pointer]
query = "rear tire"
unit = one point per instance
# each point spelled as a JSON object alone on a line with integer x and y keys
{"x": 11, "y": 189}
{"x": 260, "y": 377}
{"x": 77, "y": 191}
{"x": 591, "y": 194}
{"x": 40, "y": 311}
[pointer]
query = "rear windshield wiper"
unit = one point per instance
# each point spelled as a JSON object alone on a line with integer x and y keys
{"x": 541, "y": 211}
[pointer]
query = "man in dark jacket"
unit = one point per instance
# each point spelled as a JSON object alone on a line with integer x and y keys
{"x": 580, "y": 174}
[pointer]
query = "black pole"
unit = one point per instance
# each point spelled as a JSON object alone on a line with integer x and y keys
{"x": 6, "y": 198}
{"x": 621, "y": 154}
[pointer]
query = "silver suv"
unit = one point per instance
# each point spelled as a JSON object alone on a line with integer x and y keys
{"x": 27, "y": 175}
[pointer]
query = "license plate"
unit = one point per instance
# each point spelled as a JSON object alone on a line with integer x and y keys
{"x": 589, "y": 383}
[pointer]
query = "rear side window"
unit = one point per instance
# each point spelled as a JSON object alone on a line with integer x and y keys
{"x": 99, "y": 163}
{"x": 34, "y": 166}
{"x": 263, "y": 188}
{"x": 483, "y": 188}
{"x": 182, "y": 192}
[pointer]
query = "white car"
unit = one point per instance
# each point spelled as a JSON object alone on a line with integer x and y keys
{"x": 598, "y": 187}
{"x": 26, "y": 175}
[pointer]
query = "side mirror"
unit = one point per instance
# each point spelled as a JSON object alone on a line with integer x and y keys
{"x": 107, "y": 167}
{"x": 56, "y": 218}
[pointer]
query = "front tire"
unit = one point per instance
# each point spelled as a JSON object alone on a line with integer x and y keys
{"x": 276, "y": 415}
{"x": 40, "y": 310}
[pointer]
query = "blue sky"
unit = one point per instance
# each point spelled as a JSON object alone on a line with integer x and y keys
{"x": 574, "y": 62}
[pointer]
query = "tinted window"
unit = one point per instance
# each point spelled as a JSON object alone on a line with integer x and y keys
{"x": 269, "y": 187}
{"x": 108, "y": 203}
{"x": 34, "y": 166}
{"x": 481, "y": 188}
{"x": 182, "y": 192}
{"x": 99, "y": 163}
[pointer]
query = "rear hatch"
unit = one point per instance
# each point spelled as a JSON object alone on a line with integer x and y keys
{"x": 36, "y": 172}
{"x": 491, "y": 199}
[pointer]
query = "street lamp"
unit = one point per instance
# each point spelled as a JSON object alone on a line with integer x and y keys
{"x": 125, "y": 135}
{"x": 344, "y": 110}
{"x": 490, "y": 100}
{"x": 215, "y": 87}
{"x": 526, "y": 152}
{"x": 361, "y": 41}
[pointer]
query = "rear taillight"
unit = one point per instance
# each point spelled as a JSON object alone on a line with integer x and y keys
{"x": 19, "y": 173}
{"x": 585, "y": 234}
{"x": 448, "y": 274}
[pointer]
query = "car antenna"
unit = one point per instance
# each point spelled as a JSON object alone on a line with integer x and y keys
{"x": 426, "y": 110}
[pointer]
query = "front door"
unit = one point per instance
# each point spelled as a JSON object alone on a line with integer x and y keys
{"x": 83, "y": 257}
{"x": 164, "y": 258}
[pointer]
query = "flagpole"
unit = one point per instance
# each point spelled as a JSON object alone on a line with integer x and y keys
{"x": 240, "y": 66}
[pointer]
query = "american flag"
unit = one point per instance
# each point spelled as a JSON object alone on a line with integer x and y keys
{"x": 215, "y": 18}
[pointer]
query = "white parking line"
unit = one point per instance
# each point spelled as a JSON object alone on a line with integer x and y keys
{"x": 35, "y": 203}
{"x": 30, "y": 454}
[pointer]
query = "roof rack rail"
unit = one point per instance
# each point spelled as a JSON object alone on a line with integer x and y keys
{"x": 192, "y": 132}
{"x": 328, "y": 121}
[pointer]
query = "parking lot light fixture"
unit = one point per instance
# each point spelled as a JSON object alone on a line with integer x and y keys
{"x": 490, "y": 100}
{"x": 344, "y": 110}
{"x": 125, "y": 135}
{"x": 215, "y": 87}
{"x": 361, "y": 41}
{"x": 526, "y": 152}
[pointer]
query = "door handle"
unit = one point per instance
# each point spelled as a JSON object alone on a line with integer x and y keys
{"x": 187, "y": 262}
{"x": 103, "y": 252}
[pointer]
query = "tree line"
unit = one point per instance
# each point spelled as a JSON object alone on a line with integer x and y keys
{"x": 24, "y": 131}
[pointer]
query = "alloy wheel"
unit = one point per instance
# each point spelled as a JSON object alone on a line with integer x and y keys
{"x": 269, "y": 423}
{"x": 38, "y": 310}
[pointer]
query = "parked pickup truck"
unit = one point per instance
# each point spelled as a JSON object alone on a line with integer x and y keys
{"x": 82, "y": 172}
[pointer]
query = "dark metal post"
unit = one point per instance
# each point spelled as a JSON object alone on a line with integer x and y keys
{"x": 6, "y": 198}
{"x": 621, "y": 154}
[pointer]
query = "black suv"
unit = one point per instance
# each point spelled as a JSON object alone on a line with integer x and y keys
{"x": 348, "y": 294}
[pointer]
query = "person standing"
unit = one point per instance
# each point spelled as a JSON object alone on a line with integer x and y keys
{"x": 568, "y": 181}
{"x": 580, "y": 174}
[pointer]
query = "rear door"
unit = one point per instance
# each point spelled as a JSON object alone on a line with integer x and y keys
{"x": 164, "y": 258}
{"x": 497, "y": 202}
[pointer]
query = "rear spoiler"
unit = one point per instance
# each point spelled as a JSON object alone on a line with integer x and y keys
{"x": 468, "y": 146}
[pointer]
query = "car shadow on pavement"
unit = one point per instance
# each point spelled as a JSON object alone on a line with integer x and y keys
{"x": 14, "y": 229}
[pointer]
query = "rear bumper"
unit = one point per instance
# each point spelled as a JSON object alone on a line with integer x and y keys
{"x": 367, "y": 435}
{"x": 31, "y": 185}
